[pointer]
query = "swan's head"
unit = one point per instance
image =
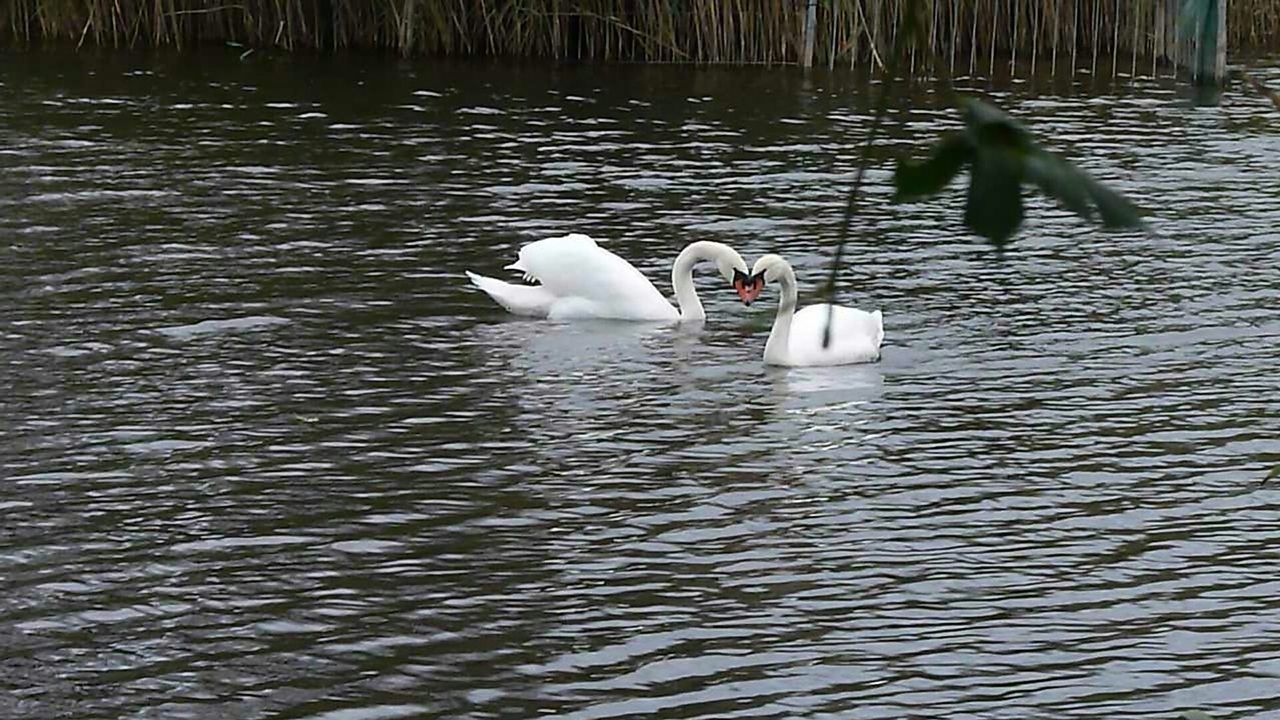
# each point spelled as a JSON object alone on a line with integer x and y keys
{"x": 730, "y": 264}
{"x": 732, "y": 268}
{"x": 743, "y": 283}
{"x": 767, "y": 269}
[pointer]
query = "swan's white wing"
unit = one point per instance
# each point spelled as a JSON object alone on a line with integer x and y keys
{"x": 589, "y": 281}
{"x": 532, "y": 300}
{"x": 545, "y": 253}
{"x": 855, "y": 336}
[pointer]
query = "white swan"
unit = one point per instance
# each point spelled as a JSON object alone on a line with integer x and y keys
{"x": 796, "y": 338}
{"x": 580, "y": 279}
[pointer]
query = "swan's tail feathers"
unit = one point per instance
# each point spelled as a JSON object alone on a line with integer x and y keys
{"x": 531, "y": 300}
{"x": 878, "y": 321}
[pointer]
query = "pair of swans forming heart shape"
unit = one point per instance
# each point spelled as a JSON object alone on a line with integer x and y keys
{"x": 579, "y": 279}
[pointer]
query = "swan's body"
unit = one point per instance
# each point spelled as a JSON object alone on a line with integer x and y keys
{"x": 797, "y": 337}
{"x": 579, "y": 279}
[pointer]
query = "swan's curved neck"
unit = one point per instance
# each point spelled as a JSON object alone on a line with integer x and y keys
{"x": 776, "y": 348}
{"x": 682, "y": 278}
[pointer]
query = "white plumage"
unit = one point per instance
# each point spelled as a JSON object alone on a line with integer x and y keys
{"x": 796, "y": 337}
{"x": 579, "y": 279}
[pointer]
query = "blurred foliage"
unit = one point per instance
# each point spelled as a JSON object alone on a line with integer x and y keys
{"x": 1002, "y": 156}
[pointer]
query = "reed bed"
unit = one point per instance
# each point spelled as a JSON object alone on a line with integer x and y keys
{"x": 962, "y": 36}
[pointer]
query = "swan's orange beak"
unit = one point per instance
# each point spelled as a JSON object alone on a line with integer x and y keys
{"x": 749, "y": 288}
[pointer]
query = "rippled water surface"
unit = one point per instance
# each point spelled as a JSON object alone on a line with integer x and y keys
{"x": 267, "y": 455}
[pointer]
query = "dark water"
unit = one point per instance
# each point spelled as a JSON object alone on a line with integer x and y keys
{"x": 266, "y": 455}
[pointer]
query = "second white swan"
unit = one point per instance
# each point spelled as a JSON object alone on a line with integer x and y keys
{"x": 797, "y": 337}
{"x": 579, "y": 279}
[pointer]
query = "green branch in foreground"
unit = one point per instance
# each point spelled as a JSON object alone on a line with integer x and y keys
{"x": 910, "y": 28}
{"x": 1003, "y": 156}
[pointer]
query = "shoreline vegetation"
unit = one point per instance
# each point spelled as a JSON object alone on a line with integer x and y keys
{"x": 964, "y": 36}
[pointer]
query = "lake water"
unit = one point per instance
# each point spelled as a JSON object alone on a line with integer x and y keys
{"x": 267, "y": 455}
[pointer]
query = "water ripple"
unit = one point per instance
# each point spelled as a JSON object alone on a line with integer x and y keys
{"x": 270, "y": 455}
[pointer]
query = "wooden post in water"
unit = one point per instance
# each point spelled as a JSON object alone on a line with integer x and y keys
{"x": 1158, "y": 42}
{"x": 1167, "y": 43}
{"x": 1207, "y": 62}
{"x": 810, "y": 33}
{"x": 1220, "y": 62}
{"x": 1175, "y": 47}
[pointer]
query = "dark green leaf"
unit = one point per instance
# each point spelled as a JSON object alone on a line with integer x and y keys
{"x": 977, "y": 112}
{"x": 1116, "y": 210}
{"x": 1002, "y": 155}
{"x": 916, "y": 180}
{"x": 1061, "y": 180}
{"x": 989, "y": 125}
{"x": 1080, "y": 193}
{"x": 994, "y": 206}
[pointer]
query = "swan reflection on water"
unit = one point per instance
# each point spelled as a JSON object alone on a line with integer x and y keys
{"x": 540, "y": 349}
{"x": 864, "y": 381}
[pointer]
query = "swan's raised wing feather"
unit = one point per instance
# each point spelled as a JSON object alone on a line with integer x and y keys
{"x": 575, "y": 267}
{"x": 545, "y": 253}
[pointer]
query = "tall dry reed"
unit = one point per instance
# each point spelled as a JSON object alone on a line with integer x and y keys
{"x": 960, "y": 35}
